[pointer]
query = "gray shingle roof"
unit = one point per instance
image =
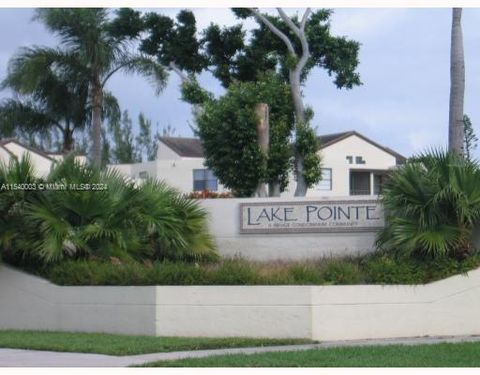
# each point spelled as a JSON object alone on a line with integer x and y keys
{"x": 186, "y": 147}
{"x": 192, "y": 147}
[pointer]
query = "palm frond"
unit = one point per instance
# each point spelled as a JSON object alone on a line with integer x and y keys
{"x": 432, "y": 204}
{"x": 143, "y": 65}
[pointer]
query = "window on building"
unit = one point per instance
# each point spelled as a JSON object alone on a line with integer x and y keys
{"x": 360, "y": 183}
{"x": 378, "y": 181}
{"x": 359, "y": 160}
{"x": 204, "y": 179}
{"x": 326, "y": 181}
{"x": 143, "y": 175}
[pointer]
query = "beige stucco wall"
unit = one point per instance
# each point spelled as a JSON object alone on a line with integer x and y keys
{"x": 166, "y": 153}
{"x": 29, "y": 302}
{"x": 334, "y": 157}
{"x": 447, "y": 307}
{"x": 81, "y": 159}
{"x": 124, "y": 169}
{"x": 224, "y": 224}
{"x": 41, "y": 164}
{"x": 443, "y": 308}
{"x": 177, "y": 173}
{"x": 216, "y": 311}
{"x": 4, "y": 156}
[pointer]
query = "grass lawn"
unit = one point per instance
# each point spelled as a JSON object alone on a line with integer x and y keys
{"x": 433, "y": 355}
{"x": 123, "y": 344}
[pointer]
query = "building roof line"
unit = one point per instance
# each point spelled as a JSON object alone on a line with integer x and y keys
{"x": 6, "y": 141}
{"x": 337, "y": 137}
{"x": 192, "y": 147}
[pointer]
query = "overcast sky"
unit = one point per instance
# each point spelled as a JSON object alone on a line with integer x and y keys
{"x": 404, "y": 65}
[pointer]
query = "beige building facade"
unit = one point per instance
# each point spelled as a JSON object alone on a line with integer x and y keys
{"x": 42, "y": 162}
{"x": 352, "y": 164}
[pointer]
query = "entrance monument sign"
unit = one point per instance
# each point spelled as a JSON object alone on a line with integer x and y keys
{"x": 311, "y": 216}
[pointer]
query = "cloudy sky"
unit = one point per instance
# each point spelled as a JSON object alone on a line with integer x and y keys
{"x": 404, "y": 65}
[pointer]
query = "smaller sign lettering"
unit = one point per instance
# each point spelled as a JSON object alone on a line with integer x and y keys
{"x": 314, "y": 216}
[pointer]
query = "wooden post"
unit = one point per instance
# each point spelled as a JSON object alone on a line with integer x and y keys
{"x": 263, "y": 138}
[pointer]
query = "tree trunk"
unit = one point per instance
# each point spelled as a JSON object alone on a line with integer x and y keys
{"x": 457, "y": 85}
{"x": 97, "y": 106}
{"x": 68, "y": 143}
{"x": 263, "y": 138}
{"x": 294, "y": 76}
{"x": 274, "y": 189}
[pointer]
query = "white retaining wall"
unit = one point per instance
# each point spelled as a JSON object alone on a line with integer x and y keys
{"x": 29, "y": 302}
{"x": 447, "y": 307}
{"x": 224, "y": 224}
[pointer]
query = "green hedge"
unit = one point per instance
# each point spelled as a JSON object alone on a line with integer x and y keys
{"x": 372, "y": 269}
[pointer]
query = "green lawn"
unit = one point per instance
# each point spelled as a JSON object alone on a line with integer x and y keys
{"x": 438, "y": 355}
{"x": 123, "y": 344}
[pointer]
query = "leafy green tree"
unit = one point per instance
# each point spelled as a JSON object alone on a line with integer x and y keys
{"x": 287, "y": 46}
{"x": 168, "y": 131}
{"x": 227, "y": 127}
{"x": 300, "y": 45}
{"x": 470, "y": 140}
{"x": 432, "y": 205}
{"x": 92, "y": 51}
{"x": 124, "y": 148}
{"x": 146, "y": 142}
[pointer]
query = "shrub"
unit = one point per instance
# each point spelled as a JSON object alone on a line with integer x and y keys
{"x": 234, "y": 272}
{"x": 13, "y": 200}
{"x": 371, "y": 269}
{"x": 432, "y": 204}
{"x": 171, "y": 273}
{"x": 306, "y": 274}
{"x": 384, "y": 269}
{"x": 207, "y": 194}
{"x": 150, "y": 221}
{"x": 341, "y": 272}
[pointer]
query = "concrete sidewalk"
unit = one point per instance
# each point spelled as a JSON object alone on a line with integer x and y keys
{"x": 36, "y": 358}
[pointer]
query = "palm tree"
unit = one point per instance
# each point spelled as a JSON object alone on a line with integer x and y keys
{"x": 48, "y": 102}
{"x": 46, "y": 99}
{"x": 152, "y": 221}
{"x": 92, "y": 50}
{"x": 457, "y": 85}
{"x": 432, "y": 205}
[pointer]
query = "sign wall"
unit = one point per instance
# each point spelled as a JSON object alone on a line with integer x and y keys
{"x": 311, "y": 217}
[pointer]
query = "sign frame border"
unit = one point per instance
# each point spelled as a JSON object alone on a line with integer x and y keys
{"x": 309, "y": 229}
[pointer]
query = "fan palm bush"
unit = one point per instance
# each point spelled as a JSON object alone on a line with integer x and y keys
{"x": 118, "y": 219}
{"x": 13, "y": 198}
{"x": 432, "y": 205}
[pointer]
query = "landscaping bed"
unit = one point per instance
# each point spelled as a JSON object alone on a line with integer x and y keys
{"x": 371, "y": 269}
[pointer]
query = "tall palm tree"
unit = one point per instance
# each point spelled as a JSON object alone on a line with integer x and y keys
{"x": 50, "y": 101}
{"x": 92, "y": 50}
{"x": 457, "y": 85}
